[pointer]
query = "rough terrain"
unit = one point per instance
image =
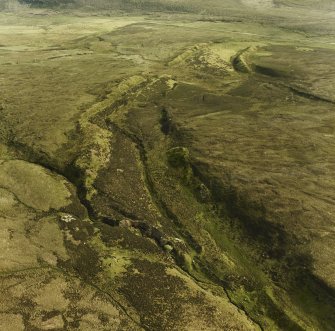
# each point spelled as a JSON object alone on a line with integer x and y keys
{"x": 167, "y": 171}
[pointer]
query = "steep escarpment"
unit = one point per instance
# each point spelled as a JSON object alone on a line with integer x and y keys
{"x": 213, "y": 217}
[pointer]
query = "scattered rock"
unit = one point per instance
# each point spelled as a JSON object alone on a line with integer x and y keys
{"x": 125, "y": 223}
{"x": 67, "y": 218}
{"x": 168, "y": 248}
{"x": 53, "y": 323}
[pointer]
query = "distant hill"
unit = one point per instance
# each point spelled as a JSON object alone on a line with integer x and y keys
{"x": 210, "y": 6}
{"x": 194, "y": 6}
{"x": 315, "y": 4}
{"x": 170, "y": 5}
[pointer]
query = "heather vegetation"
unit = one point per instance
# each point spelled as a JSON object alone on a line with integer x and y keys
{"x": 167, "y": 165}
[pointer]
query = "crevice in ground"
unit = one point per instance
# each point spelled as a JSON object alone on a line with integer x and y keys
{"x": 161, "y": 205}
{"x": 75, "y": 176}
{"x": 308, "y": 95}
{"x": 261, "y": 231}
{"x": 159, "y": 237}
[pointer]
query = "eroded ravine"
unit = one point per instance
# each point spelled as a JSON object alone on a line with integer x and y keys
{"x": 166, "y": 212}
{"x": 189, "y": 183}
{"x": 189, "y": 258}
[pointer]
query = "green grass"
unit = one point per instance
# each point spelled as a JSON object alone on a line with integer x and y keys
{"x": 156, "y": 126}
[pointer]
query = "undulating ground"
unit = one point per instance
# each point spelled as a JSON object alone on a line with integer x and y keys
{"x": 169, "y": 168}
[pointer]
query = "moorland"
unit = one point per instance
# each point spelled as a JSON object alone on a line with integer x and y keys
{"x": 167, "y": 166}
